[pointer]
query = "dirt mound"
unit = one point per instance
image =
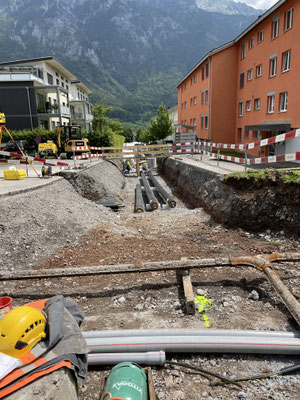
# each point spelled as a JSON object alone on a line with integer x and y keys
{"x": 104, "y": 182}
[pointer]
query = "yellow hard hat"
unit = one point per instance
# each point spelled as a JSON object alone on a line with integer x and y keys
{"x": 20, "y": 329}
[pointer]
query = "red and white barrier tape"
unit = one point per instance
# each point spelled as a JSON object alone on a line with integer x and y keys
{"x": 184, "y": 151}
{"x": 275, "y": 139}
{"x": 275, "y": 159}
{"x": 184, "y": 144}
{"x": 83, "y": 156}
{"x": 42, "y": 160}
{"x": 95, "y": 148}
{"x": 80, "y": 148}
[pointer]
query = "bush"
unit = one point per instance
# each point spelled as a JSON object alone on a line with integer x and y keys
{"x": 29, "y": 136}
{"x": 118, "y": 140}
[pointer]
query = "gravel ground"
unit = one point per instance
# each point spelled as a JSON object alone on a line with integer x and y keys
{"x": 38, "y": 223}
{"x": 241, "y": 297}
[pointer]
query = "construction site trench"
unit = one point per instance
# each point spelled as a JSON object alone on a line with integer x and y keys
{"x": 61, "y": 226}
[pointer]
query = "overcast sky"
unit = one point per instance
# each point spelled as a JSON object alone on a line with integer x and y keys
{"x": 261, "y": 4}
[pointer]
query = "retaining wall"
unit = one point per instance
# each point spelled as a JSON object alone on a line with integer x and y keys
{"x": 273, "y": 206}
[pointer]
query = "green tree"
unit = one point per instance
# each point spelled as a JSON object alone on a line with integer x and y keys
{"x": 103, "y": 128}
{"x": 161, "y": 126}
{"x": 128, "y": 135}
{"x": 100, "y": 118}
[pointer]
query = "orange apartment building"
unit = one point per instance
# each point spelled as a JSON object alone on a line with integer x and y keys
{"x": 249, "y": 88}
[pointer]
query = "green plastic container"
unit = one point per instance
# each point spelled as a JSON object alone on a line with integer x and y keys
{"x": 128, "y": 381}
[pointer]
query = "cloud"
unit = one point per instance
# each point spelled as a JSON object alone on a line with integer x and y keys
{"x": 260, "y": 4}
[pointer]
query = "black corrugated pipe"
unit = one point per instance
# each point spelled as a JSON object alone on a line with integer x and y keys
{"x": 150, "y": 195}
{"x": 164, "y": 194}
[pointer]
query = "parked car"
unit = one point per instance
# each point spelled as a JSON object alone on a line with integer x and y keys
{"x": 13, "y": 148}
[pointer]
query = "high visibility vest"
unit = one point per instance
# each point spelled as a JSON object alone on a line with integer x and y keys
{"x": 39, "y": 355}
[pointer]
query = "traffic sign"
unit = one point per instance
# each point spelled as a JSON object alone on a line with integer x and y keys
{"x": 37, "y": 139}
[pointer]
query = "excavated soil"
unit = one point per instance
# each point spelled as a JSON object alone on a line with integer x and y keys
{"x": 241, "y": 297}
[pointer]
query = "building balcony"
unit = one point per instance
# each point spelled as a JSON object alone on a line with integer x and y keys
{"x": 19, "y": 77}
{"x": 65, "y": 111}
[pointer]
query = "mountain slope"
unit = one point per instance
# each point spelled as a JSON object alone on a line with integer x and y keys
{"x": 131, "y": 53}
{"x": 227, "y": 7}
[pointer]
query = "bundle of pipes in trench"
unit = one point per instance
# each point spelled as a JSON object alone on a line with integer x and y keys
{"x": 149, "y": 347}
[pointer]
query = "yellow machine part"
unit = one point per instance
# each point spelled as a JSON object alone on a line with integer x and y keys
{"x": 14, "y": 174}
{"x": 20, "y": 330}
{"x": 2, "y": 118}
{"x": 77, "y": 143}
{"x": 48, "y": 146}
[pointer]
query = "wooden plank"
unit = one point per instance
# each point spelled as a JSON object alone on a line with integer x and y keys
{"x": 135, "y": 153}
{"x": 188, "y": 293}
{"x": 151, "y": 390}
{"x": 286, "y": 296}
{"x": 150, "y": 146}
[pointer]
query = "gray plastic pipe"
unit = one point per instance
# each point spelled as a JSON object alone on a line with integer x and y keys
{"x": 196, "y": 344}
{"x": 186, "y": 332}
{"x": 148, "y": 358}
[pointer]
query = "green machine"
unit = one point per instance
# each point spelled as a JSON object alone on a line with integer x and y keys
{"x": 126, "y": 381}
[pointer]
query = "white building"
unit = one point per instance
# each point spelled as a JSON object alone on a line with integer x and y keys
{"x": 42, "y": 93}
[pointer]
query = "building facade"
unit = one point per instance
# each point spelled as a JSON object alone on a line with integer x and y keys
{"x": 42, "y": 93}
{"x": 248, "y": 89}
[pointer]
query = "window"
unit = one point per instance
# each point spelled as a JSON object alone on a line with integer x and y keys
{"x": 62, "y": 85}
{"x": 185, "y": 104}
{"x": 286, "y": 61}
{"x": 275, "y": 28}
{"x": 241, "y": 106}
{"x": 50, "y": 79}
{"x": 248, "y": 105}
{"x": 239, "y": 134}
{"x": 250, "y": 74}
{"x": 207, "y": 70}
{"x": 185, "y": 85}
{"x": 191, "y": 81}
{"x": 195, "y": 100}
{"x": 254, "y": 134}
{"x": 56, "y": 73}
{"x": 271, "y": 102}
{"x": 206, "y": 121}
{"x": 57, "y": 82}
{"x": 243, "y": 50}
{"x": 203, "y": 72}
{"x": 67, "y": 87}
{"x": 246, "y": 134}
{"x": 258, "y": 70}
{"x": 202, "y": 97}
{"x": 206, "y": 96}
{"x": 195, "y": 78}
{"x": 242, "y": 80}
{"x": 62, "y": 78}
{"x": 202, "y": 121}
{"x": 191, "y": 122}
{"x": 191, "y": 102}
{"x": 256, "y": 104}
{"x": 260, "y": 36}
{"x": 194, "y": 122}
{"x": 283, "y": 101}
{"x": 251, "y": 43}
{"x": 289, "y": 19}
{"x": 273, "y": 66}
